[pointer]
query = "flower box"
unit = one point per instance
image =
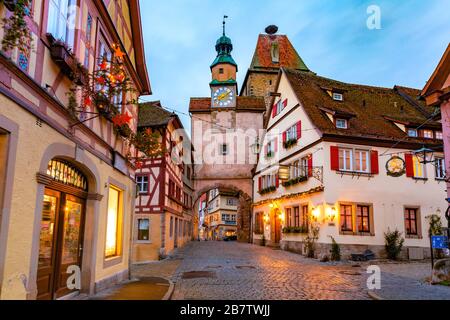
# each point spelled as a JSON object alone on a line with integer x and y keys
{"x": 295, "y": 181}
{"x": 295, "y": 230}
{"x": 123, "y": 130}
{"x": 66, "y": 60}
{"x": 290, "y": 143}
{"x": 269, "y": 154}
{"x": 268, "y": 190}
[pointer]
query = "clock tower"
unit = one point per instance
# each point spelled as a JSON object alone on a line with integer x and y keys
{"x": 223, "y": 70}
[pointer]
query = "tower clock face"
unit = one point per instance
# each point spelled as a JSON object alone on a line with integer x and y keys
{"x": 223, "y": 97}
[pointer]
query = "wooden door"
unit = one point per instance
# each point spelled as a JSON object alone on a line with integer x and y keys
{"x": 47, "y": 248}
{"x": 60, "y": 242}
{"x": 70, "y": 244}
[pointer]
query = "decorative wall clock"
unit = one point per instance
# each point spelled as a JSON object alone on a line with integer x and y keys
{"x": 396, "y": 167}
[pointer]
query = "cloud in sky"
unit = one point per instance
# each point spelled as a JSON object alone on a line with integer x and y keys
{"x": 330, "y": 36}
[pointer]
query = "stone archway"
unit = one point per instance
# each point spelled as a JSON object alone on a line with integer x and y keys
{"x": 244, "y": 207}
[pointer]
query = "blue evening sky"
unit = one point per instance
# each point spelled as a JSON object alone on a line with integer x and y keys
{"x": 331, "y": 36}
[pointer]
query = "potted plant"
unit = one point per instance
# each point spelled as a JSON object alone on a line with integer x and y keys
{"x": 16, "y": 30}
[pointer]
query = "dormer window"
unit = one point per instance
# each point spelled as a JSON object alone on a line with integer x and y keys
{"x": 427, "y": 134}
{"x": 413, "y": 133}
{"x": 221, "y": 71}
{"x": 342, "y": 123}
{"x": 338, "y": 96}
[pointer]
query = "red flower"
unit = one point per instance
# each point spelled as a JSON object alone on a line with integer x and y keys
{"x": 101, "y": 80}
{"x": 121, "y": 119}
{"x": 87, "y": 101}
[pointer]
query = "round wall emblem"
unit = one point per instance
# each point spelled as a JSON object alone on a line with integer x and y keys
{"x": 396, "y": 167}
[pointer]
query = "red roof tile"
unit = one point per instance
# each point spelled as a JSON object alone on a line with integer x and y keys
{"x": 373, "y": 108}
{"x": 288, "y": 56}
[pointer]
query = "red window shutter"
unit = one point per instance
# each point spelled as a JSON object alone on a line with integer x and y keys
{"x": 409, "y": 165}
{"x": 374, "y": 162}
{"x": 284, "y": 137}
{"x": 334, "y": 158}
{"x": 275, "y": 148}
{"x": 285, "y": 103}
{"x": 277, "y": 181}
{"x": 259, "y": 183}
{"x": 310, "y": 166}
{"x": 299, "y": 130}
{"x": 274, "y": 111}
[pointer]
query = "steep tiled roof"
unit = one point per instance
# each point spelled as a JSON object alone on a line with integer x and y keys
{"x": 151, "y": 114}
{"x": 373, "y": 108}
{"x": 243, "y": 103}
{"x": 288, "y": 56}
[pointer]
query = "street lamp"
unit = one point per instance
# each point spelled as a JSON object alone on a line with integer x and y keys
{"x": 425, "y": 155}
{"x": 256, "y": 146}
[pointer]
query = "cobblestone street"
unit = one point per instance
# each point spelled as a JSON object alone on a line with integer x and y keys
{"x": 243, "y": 272}
{"x": 235, "y": 271}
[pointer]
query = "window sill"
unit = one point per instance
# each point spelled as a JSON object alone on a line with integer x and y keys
{"x": 143, "y": 241}
{"x": 112, "y": 261}
{"x": 420, "y": 179}
{"x": 417, "y": 237}
{"x": 440, "y": 179}
{"x": 355, "y": 173}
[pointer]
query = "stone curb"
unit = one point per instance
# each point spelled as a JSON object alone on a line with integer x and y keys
{"x": 169, "y": 292}
{"x": 374, "y": 296}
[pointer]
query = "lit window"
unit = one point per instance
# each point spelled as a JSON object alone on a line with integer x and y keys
{"x": 412, "y": 133}
{"x": 345, "y": 159}
{"x": 143, "y": 229}
{"x": 440, "y": 168}
{"x": 341, "y": 124}
{"x": 439, "y": 135}
{"x": 363, "y": 218}
{"x": 428, "y": 134}
{"x": 346, "y": 218}
{"x": 142, "y": 183}
{"x": 411, "y": 221}
{"x": 338, "y": 96}
{"x": 61, "y": 19}
{"x": 419, "y": 168}
{"x": 112, "y": 223}
{"x": 362, "y": 161}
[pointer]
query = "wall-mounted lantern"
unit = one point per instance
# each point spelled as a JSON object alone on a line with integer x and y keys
{"x": 331, "y": 213}
{"x": 283, "y": 173}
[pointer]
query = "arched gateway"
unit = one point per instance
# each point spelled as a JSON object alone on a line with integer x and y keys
{"x": 225, "y": 129}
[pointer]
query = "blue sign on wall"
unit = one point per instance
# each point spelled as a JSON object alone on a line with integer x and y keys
{"x": 439, "y": 242}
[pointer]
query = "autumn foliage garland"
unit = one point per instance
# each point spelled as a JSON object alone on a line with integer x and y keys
{"x": 105, "y": 89}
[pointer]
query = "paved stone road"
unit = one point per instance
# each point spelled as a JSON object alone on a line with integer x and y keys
{"x": 246, "y": 272}
{"x": 234, "y": 271}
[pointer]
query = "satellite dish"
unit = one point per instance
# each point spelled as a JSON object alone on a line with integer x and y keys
{"x": 272, "y": 29}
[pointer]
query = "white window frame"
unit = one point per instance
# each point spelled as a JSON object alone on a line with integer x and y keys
{"x": 304, "y": 166}
{"x": 410, "y": 131}
{"x": 440, "y": 168}
{"x": 291, "y": 133}
{"x": 141, "y": 183}
{"x": 427, "y": 134}
{"x": 338, "y": 96}
{"x": 361, "y": 158}
{"x": 279, "y": 106}
{"x": 59, "y": 19}
{"x": 341, "y": 120}
{"x": 345, "y": 152}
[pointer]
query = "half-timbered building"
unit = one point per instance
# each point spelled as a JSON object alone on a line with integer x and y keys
{"x": 67, "y": 184}
{"x": 163, "y": 214}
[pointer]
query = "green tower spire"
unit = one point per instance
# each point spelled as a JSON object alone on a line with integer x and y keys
{"x": 224, "y": 48}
